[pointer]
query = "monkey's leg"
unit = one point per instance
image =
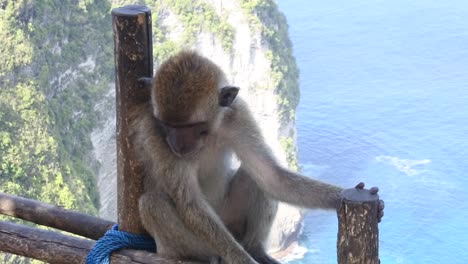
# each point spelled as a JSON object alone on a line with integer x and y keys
{"x": 248, "y": 213}
{"x": 173, "y": 239}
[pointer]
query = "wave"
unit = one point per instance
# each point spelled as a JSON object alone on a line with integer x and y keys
{"x": 407, "y": 166}
{"x": 298, "y": 252}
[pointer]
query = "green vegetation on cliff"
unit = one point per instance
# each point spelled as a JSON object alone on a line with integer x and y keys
{"x": 29, "y": 162}
{"x": 47, "y": 96}
{"x": 265, "y": 17}
{"x": 56, "y": 62}
{"x": 194, "y": 16}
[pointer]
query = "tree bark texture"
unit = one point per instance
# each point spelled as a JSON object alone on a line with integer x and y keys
{"x": 53, "y": 247}
{"x": 52, "y": 216}
{"x": 358, "y": 234}
{"x": 133, "y": 60}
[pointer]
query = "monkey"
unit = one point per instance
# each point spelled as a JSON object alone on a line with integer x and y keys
{"x": 196, "y": 204}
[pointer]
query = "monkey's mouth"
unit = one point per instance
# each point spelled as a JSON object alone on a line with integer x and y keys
{"x": 186, "y": 155}
{"x": 186, "y": 140}
{"x": 184, "y": 150}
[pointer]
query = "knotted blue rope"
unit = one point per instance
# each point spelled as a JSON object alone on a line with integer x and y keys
{"x": 114, "y": 240}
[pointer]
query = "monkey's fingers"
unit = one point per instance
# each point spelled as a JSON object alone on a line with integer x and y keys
{"x": 374, "y": 190}
{"x": 360, "y": 185}
{"x": 381, "y": 205}
{"x": 145, "y": 81}
{"x": 381, "y": 210}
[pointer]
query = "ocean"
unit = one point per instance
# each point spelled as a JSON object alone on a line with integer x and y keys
{"x": 384, "y": 100}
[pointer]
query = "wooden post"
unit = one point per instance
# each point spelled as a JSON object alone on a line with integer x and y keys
{"x": 133, "y": 60}
{"x": 358, "y": 234}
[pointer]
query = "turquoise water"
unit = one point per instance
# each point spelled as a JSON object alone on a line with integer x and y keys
{"x": 384, "y": 100}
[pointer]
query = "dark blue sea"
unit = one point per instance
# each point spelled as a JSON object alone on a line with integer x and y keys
{"x": 384, "y": 100}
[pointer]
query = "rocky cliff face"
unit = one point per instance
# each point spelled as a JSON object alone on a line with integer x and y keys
{"x": 252, "y": 47}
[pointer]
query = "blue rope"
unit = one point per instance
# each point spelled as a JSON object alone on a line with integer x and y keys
{"x": 114, "y": 240}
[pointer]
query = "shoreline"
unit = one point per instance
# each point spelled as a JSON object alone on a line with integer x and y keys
{"x": 278, "y": 255}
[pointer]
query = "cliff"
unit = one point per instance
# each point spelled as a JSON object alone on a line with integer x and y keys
{"x": 55, "y": 65}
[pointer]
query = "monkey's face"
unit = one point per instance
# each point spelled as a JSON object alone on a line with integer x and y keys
{"x": 187, "y": 139}
{"x": 187, "y": 100}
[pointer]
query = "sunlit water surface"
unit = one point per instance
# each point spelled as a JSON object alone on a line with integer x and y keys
{"x": 384, "y": 100}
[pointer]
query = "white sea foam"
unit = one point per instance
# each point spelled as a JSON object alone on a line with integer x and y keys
{"x": 297, "y": 253}
{"x": 407, "y": 166}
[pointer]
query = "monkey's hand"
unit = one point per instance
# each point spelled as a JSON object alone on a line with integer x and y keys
{"x": 145, "y": 82}
{"x": 373, "y": 191}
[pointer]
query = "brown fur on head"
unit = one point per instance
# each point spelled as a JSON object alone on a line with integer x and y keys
{"x": 185, "y": 89}
{"x": 187, "y": 97}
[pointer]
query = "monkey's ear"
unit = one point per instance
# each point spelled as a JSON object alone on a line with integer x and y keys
{"x": 227, "y": 95}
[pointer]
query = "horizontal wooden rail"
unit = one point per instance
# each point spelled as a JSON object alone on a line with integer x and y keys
{"x": 53, "y": 247}
{"x": 52, "y": 216}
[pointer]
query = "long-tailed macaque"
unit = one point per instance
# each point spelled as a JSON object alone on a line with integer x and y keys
{"x": 195, "y": 204}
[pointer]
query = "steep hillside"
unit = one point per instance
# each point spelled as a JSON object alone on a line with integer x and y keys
{"x": 56, "y": 63}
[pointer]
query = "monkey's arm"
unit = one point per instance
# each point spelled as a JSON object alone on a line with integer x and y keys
{"x": 201, "y": 219}
{"x": 280, "y": 183}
